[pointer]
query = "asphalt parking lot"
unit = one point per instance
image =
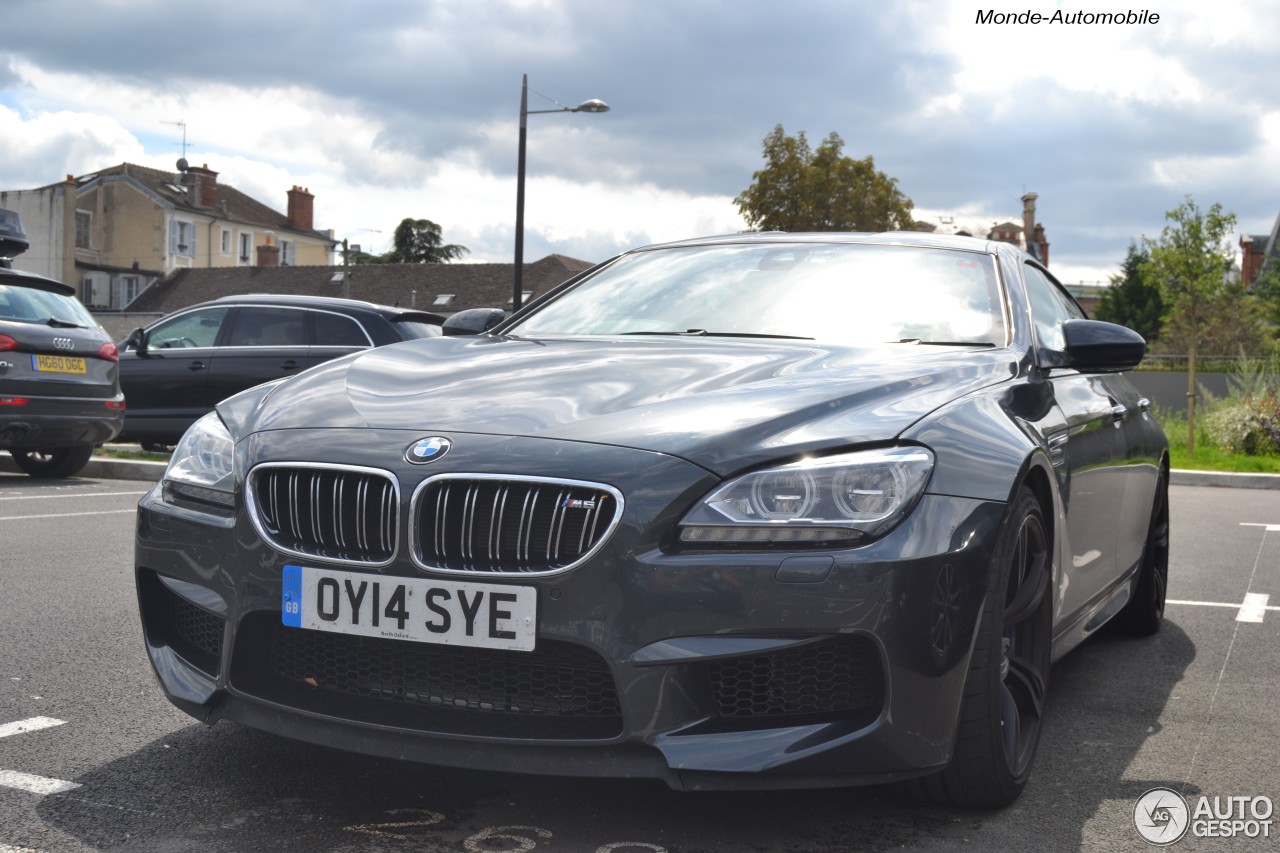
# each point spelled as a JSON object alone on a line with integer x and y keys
{"x": 93, "y": 758}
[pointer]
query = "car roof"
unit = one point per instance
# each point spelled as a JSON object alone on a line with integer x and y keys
{"x": 884, "y": 238}
{"x": 335, "y": 302}
{"x": 22, "y": 278}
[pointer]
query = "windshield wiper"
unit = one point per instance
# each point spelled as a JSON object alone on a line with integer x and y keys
{"x": 943, "y": 343}
{"x": 63, "y": 324}
{"x": 703, "y": 333}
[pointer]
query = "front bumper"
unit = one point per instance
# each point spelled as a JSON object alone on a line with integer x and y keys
{"x": 705, "y": 670}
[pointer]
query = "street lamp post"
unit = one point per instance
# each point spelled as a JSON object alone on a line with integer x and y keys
{"x": 590, "y": 106}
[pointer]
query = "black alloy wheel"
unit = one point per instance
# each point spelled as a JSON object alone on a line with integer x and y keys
{"x": 1144, "y": 613}
{"x": 52, "y": 461}
{"x": 1003, "y": 705}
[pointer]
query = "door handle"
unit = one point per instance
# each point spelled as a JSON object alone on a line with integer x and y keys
{"x": 289, "y": 365}
{"x": 197, "y": 365}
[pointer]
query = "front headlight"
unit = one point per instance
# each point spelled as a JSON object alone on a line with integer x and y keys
{"x": 839, "y": 500}
{"x": 200, "y": 473}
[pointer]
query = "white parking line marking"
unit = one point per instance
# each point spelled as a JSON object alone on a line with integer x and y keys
{"x": 64, "y": 514}
{"x": 34, "y": 784}
{"x": 1218, "y": 603}
{"x": 1271, "y": 528}
{"x": 1254, "y": 607}
{"x": 81, "y": 495}
{"x": 34, "y": 724}
{"x": 9, "y": 848}
{"x": 26, "y": 781}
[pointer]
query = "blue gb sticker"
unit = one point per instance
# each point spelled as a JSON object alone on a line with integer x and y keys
{"x": 291, "y": 597}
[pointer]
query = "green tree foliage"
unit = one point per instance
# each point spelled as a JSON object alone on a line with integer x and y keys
{"x": 1189, "y": 263}
{"x": 1266, "y": 287}
{"x": 806, "y": 190}
{"x": 419, "y": 241}
{"x": 1132, "y": 300}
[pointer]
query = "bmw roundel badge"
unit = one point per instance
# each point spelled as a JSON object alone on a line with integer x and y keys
{"x": 426, "y": 450}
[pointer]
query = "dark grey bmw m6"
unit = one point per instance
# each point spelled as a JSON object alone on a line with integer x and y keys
{"x": 768, "y": 510}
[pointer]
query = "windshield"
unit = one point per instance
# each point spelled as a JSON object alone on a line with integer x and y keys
{"x": 843, "y": 293}
{"x": 32, "y": 305}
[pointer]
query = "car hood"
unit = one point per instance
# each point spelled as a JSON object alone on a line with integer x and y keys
{"x": 724, "y": 404}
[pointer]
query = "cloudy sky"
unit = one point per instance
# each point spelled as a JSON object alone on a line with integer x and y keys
{"x": 387, "y": 109}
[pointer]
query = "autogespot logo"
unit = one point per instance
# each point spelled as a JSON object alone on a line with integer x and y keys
{"x": 427, "y": 450}
{"x": 1161, "y": 816}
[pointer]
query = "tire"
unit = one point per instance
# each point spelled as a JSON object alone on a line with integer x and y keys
{"x": 1004, "y": 696}
{"x": 1144, "y": 613}
{"x": 52, "y": 461}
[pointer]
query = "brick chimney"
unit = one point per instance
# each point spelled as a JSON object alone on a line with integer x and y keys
{"x": 269, "y": 253}
{"x": 203, "y": 191}
{"x": 301, "y": 208}
{"x": 1032, "y": 233}
{"x": 1044, "y": 244}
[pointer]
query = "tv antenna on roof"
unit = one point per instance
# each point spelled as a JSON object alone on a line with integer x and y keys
{"x": 182, "y": 124}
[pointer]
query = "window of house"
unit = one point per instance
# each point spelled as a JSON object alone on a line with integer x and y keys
{"x": 443, "y": 299}
{"x": 96, "y": 292}
{"x": 130, "y": 287}
{"x": 226, "y": 241}
{"x": 182, "y": 238}
{"x": 288, "y": 253}
{"x": 84, "y": 223}
{"x": 246, "y": 248}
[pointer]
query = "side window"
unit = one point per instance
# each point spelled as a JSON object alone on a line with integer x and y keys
{"x": 1050, "y": 308}
{"x": 335, "y": 330}
{"x": 269, "y": 327}
{"x": 193, "y": 329}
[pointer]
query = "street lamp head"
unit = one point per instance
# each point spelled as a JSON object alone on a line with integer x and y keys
{"x": 594, "y": 105}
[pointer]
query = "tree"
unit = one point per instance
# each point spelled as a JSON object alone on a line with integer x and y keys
{"x": 1189, "y": 263}
{"x": 1131, "y": 300}
{"x": 805, "y": 190}
{"x": 419, "y": 241}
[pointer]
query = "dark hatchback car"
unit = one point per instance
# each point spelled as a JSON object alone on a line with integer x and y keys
{"x": 179, "y": 367}
{"x": 756, "y": 511}
{"x": 59, "y": 378}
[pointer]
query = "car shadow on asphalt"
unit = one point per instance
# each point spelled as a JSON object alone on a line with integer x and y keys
{"x": 231, "y": 788}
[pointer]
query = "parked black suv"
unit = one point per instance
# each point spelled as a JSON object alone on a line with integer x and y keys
{"x": 176, "y": 370}
{"x": 59, "y": 378}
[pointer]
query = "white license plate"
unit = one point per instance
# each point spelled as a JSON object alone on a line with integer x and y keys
{"x": 456, "y": 613}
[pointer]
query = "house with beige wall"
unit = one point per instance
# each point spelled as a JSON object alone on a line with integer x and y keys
{"x": 114, "y": 232}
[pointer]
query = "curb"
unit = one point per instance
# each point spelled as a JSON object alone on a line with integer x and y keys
{"x": 1184, "y": 477}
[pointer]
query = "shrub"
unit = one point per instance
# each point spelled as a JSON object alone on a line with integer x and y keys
{"x": 1248, "y": 425}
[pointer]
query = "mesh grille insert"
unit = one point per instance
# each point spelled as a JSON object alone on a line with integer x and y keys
{"x": 191, "y": 631}
{"x": 836, "y": 677}
{"x": 560, "y": 690}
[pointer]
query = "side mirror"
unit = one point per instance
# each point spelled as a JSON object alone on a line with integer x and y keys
{"x": 1095, "y": 346}
{"x": 138, "y": 340}
{"x": 473, "y": 321}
